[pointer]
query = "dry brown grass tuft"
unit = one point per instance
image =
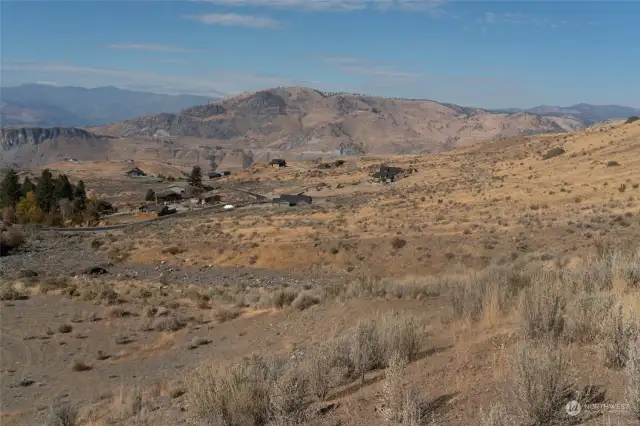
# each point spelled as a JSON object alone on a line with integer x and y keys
{"x": 496, "y": 416}
{"x": 542, "y": 309}
{"x": 320, "y": 364}
{"x": 632, "y": 371}
{"x": 239, "y": 395}
{"x": 168, "y": 324}
{"x": 9, "y": 292}
{"x": 541, "y": 375}
{"x": 226, "y": 313}
{"x": 282, "y": 298}
{"x": 10, "y": 240}
{"x": 127, "y": 403}
{"x": 620, "y": 329}
{"x": 173, "y": 250}
{"x": 394, "y": 388}
{"x": 304, "y": 300}
{"x": 62, "y": 413}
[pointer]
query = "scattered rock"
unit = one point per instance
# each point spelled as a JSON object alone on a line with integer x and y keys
{"x": 553, "y": 152}
{"x": 26, "y": 382}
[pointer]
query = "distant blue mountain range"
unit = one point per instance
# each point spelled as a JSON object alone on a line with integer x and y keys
{"x": 45, "y": 105}
{"x": 588, "y": 114}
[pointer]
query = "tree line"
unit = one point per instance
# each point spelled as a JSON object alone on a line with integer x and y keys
{"x": 50, "y": 201}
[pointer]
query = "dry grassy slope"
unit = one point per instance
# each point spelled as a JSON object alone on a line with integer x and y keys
{"x": 496, "y": 200}
{"x": 301, "y": 119}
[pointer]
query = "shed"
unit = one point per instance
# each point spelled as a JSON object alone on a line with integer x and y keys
{"x": 278, "y": 162}
{"x": 135, "y": 172}
{"x": 293, "y": 200}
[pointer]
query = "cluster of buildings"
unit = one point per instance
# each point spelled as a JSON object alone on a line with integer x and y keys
{"x": 178, "y": 198}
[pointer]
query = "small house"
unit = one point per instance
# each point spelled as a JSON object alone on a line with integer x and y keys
{"x": 168, "y": 197}
{"x": 278, "y": 162}
{"x": 176, "y": 189}
{"x": 191, "y": 191}
{"x": 293, "y": 200}
{"x": 389, "y": 173}
{"x": 135, "y": 172}
{"x": 154, "y": 210}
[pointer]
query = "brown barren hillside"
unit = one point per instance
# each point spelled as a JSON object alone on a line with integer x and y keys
{"x": 293, "y": 123}
{"x": 300, "y": 120}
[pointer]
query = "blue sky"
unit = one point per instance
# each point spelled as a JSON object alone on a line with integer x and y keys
{"x": 487, "y": 54}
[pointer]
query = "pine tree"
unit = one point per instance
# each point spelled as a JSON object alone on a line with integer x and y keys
{"x": 63, "y": 189}
{"x": 10, "y": 189}
{"x": 27, "y": 186}
{"x": 79, "y": 197}
{"x": 195, "y": 178}
{"x": 44, "y": 191}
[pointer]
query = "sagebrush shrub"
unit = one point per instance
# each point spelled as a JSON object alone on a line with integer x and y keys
{"x": 541, "y": 379}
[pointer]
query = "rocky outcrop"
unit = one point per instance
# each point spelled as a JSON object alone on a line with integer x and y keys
{"x": 35, "y": 146}
{"x": 14, "y": 137}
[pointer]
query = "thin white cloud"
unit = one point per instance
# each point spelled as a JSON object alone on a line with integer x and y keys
{"x": 235, "y": 20}
{"x": 363, "y": 67}
{"x": 226, "y": 82}
{"x": 156, "y": 48}
{"x": 490, "y": 18}
{"x": 333, "y": 5}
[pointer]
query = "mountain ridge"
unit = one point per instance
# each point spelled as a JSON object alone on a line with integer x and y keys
{"x": 298, "y": 118}
{"x": 588, "y": 114}
{"x": 291, "y": 123}
{"x": 42, "y": 105}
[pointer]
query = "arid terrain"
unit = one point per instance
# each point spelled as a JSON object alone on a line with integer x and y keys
{"x": 292, "y": 123}
{"x": 491, "y": 286}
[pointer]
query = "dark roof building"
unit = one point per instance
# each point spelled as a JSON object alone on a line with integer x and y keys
{"x": 278, "y": 162}
{"x": 168, "y": 197}
{"x": 293, "y": 200}
{"x": 135, "y": 172}
{"x": 155, "y": 209}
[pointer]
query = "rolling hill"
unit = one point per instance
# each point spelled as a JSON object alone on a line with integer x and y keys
{"x": 294, "y": 123}
{"x": 303, "y": 120}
